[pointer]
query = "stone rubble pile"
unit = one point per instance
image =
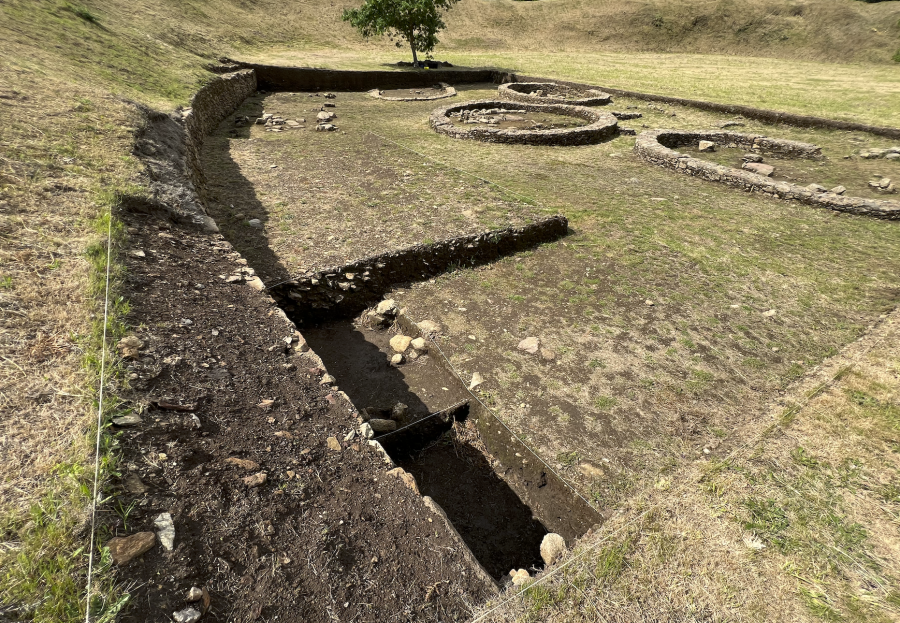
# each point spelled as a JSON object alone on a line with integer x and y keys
{"x": 892, "y": 153}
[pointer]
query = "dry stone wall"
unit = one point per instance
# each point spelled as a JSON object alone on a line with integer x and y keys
{"x": 348, "y": 289}
{"x": 523, "y": 92}
{"x": 601, "y": 125}
{"x": 657, "y": 147}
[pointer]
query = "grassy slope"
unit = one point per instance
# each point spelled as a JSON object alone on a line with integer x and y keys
{"x": 64, "y": 151}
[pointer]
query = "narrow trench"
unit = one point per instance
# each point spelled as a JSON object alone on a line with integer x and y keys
{"x": 445, "y": 452}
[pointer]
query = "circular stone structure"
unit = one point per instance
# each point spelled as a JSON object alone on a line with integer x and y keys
{"x": 659, "y": 147}
{"x": 440, "y": 91}
{"x": 600, "y": 125}
{"x": 549, "y": 93}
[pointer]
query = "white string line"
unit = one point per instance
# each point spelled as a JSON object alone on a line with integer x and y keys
{"x": 817, "y": 391}
{"x": 87, "y": 609}
{"x": 419, "y": 421}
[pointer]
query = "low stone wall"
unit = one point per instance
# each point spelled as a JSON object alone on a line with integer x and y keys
{"x": 274, "y": 78}
{"x": 601, "y": 125}
{"x": 656, "y": 147}
{"x": 169, "y": 146}
{"x": 349, "y": 289}
{"x": 447, "y": 91}
{"x": 760, "y": 114}
{"x": 522, "y": 92}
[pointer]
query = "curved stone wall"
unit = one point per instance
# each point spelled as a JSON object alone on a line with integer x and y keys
{"x": 522, "y": 92}
{"x": 601, "y": 125}
{"x": 447, "y": 91}
{"x": 658, "y": 147}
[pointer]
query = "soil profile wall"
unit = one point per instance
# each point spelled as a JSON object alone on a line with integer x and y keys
{"x": 351, "y": 288}
{"x": 274, "y": 78}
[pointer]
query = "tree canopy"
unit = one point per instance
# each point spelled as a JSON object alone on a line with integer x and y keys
{"x": 415, "y": 21}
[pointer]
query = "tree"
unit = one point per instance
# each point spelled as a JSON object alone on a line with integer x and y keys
{"x": 416, "y": 21}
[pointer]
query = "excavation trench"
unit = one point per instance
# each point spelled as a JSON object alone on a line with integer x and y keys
{"x": 498, "y": 495}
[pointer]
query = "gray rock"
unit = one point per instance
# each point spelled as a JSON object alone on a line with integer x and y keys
{"x": 387, "y": 307}
{"x": 553, "y": 548}
{"x": 194, "y": 594}
{"x": 477, "y": 380}
{"x": 382, "y": 426}
{"x": 188, "y": 615}
{"x": 365, "y": 431}
{"x": 816, "y": 188}
{"x": 885, "y": 182}
{"x": 127, "y": 420}
{"x": 519, "y": 577}
{"x": 707, "y": 146}
{"x": 752, "y": 158}
{"x": 166, "y": 530}
{"x": 838, "y": 190}
{"x": 892, "y": 156}
{"x": 530, "y": 345}
{"x": 330, "y": 96}
{"x": 325, "y": 127}
{"x": 399, "y": 412}
{"x": 255, "y": 223}
{"x": 325, "y": 116}
{"x": 760, "y": 169}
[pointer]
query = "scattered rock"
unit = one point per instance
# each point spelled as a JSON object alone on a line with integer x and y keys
{"x": 265, "y": 404}
{"x": 429, "y": 328}
{"x": 418, "y": 344}
{"x": 333, "y": 444}
{"x": 188, "y": 615}
{"x": 408, "y": 479}
{"x": 325, "y": 116}
{"x": 530, "y": 345}
{"x": 129, "y": 347}
{"x": 397, "y": 359}
{"x": 752, "y": 158}
{"x": 477, "y": 380}
{"x": 136, "y": 253}
{"x": 125, "y": 549}
{"x": 255, "y": 480}
{"x": 166, "y": 527}
{"x": 553, "y": 548}
{"x": 707, "y": 146}
{"x": 127, "y": 420}
{"x": 547, "y": 354}
{"x": 758, "y": 168}
{"x": 398, "y": 413}
{"x": 330, "y": 96}
{"x": 382, "y": 426}
{"x": 769, "y": 313}
{"x": 243, "y": 463}
{"x": 816, "y": 188}
{"x": 326, "y": 127}
{"x": 387, "y": 307}
{"x": 327, "y": 379}
{"x": 134, "y": 484}
{"x": 255, "y": 223}
{"x": 194, "y": 594}
{"x": 838, "y": 190}
{"x": 365, "y": 431}
{"x": 519, "y": 577}
{"x": 400, "y": 343}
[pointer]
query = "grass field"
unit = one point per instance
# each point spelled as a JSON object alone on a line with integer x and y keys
{"x": 70, "y": 73}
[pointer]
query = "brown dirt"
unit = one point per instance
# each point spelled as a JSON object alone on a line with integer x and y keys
{"x": 328, "y": 536}
{"x": 432, "y": 92}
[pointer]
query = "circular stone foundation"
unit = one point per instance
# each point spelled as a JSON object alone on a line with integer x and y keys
{"x": 659, "y": 147}
{"x": 551, "y": 93}
{"x": 600, "y": 125}
{"x": 438, "y": 92}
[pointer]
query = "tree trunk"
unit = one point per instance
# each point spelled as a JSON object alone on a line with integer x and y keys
{"x": 413, "y": 47}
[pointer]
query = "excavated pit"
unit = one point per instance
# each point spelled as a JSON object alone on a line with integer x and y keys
{"x": 501, "y": 511}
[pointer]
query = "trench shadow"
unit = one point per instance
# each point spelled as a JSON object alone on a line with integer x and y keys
{"x": 361, "y": 369}
{"x": 231, "y": 198}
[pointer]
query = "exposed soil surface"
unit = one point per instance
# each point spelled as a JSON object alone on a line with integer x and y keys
{"x": 328, "y": 536}
{"x": 515, "y": 119}
{"x": 323, "y": 199}
{"x": 852, "y": 173}
{"x": 411, "y": 93}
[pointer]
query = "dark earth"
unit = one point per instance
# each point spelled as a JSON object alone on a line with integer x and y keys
{"x": 329, "y": 536}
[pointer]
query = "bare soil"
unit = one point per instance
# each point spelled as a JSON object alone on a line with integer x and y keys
{"x": 516, "y": 119}
{"x": 411, "y": 93}
{"x": 328, "y": 536}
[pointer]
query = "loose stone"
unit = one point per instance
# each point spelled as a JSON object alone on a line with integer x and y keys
{"x": 382, "y": 426}
{"x": 188, "y": 615}
{"x": 365, "y": 431}
{"x": 707, "y": 146}
{"x": 838, "y": 190}
{"x": 399, "y": 412}
{"x": 530, "y": 345}
{"x": 255, "y": 480}
{"x": 553, "y": 548}
{"x": 387, "y": 307}
{"x": 125, "y": 549}
{"x": 397, "y": 359}
{"x": 127, "y": 420}
{"x": 400, "y": 343}
{"x": 333, "y": 444}
{"x": 519, "y": 577}
{"x": 477, "y": 380}
{"x": 761, "y": 169}
{"x": 243, "y": 463}
{"x": 429, "y": 328}
{"x": 194, "y": 594}
{"x": 166, "y": 527}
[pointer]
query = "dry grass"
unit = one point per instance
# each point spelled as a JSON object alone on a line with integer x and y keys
{"x": 798, "y": 523}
